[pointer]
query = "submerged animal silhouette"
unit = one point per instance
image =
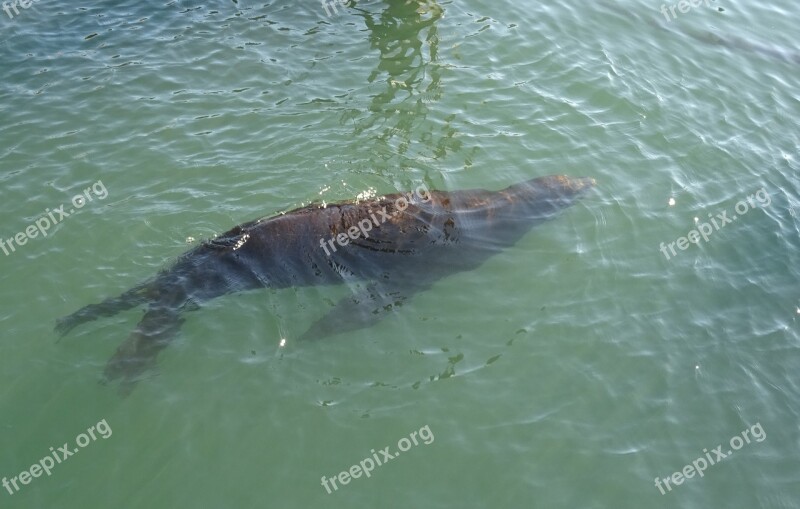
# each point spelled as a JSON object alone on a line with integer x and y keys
{"x": 417, "y": 240}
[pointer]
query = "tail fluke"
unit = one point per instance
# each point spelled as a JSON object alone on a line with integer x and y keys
{"x": 136, "y": 296}
{"x": 160, "y": 324}
{"x": 138, "y": 353}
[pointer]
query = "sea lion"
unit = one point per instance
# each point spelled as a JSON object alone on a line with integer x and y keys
{"x": 413, "y": 240}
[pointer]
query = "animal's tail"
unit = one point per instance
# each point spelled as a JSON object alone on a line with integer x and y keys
{"x": 159, "y": 325}
{"x": 136, "y": 296}
{"x": 167, "y": 296}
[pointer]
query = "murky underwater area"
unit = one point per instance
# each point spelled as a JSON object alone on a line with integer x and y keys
{"x": 639, "y": 350}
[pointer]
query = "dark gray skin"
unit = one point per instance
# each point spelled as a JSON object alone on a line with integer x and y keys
{"x": 438, "y": 233}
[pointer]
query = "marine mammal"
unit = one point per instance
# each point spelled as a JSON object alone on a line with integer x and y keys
{"x": 431, "y": 237}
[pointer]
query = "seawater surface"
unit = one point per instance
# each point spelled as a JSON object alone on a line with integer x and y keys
{"x": 571, "y": 370}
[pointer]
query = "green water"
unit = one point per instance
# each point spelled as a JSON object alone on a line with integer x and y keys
{"x": 569, "y": 371}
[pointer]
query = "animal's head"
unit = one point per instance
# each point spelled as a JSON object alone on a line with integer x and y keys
{"x": 560, "y": 191}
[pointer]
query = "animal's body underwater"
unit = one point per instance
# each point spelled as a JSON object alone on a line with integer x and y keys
{"x": 418, "y": 240}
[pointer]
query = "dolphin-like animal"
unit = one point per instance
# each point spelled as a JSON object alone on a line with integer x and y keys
{"x": 399, "y": 244}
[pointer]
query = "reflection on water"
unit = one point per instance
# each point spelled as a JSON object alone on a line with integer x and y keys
{"x": 407, "y": 39}
{"x": 582, "y": 335}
